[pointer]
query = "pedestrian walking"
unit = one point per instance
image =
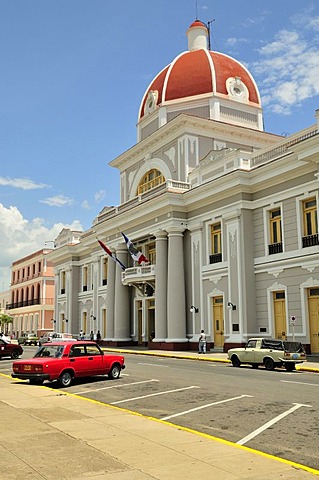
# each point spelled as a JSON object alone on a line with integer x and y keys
{"x": 98, "y": 336}
{"x": 202, "y": 342}
{"x": 92, "y": 335}
{"x": 81, "y": 334}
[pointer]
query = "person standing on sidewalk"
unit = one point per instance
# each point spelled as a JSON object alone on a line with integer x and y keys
{"x": 202, "y": 342}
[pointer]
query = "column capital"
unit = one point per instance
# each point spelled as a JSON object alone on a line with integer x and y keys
{"x": 160, "y": 234}
{"x": 175, "y": 230}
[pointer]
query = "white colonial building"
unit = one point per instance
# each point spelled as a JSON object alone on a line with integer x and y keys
{"x": 226, "y": 214}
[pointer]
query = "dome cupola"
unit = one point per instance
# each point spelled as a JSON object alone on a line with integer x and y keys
{"x": 205, "y": 83}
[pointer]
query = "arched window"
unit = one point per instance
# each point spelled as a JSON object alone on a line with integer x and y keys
{"x": 151, "y": 179}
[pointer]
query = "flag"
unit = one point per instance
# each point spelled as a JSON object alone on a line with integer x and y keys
{"x": 111, "y": 254}
{"x": 135, "y": 254}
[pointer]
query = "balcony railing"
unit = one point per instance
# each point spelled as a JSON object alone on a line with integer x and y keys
{"x": 310, "y": 240}
{"x": 28, "y": 303}
{"x": 215, "y": 258}
{"x": 275, "y": 248}
{"x": 138, "y": 273}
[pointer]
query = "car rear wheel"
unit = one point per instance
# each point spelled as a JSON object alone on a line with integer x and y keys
{"x": 115, "y": 372}
{"x": 15, "y": 353}
{"x": 65, "y": 379}
{"x": 290, "y": 367}
{"x": 235, "y": 361}
{"x": 269, "y": 364}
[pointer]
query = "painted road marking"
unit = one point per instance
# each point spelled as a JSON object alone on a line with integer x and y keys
{"x": 271, "y": 423}
{"x": 154, "y": 395}
{"x": 301, "y": 383}
{"x": 205, "y": 406}
{"x": 115, "y": 386}
{"x": 154, "y": 365}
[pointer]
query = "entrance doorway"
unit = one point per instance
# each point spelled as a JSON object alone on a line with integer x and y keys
{"x": 280, "y": 314}
{"x": 151, "y": 320}
{"x": 313, "y": 307}
{"x": 139, "y": 323}
{"x": 218, "y": 321}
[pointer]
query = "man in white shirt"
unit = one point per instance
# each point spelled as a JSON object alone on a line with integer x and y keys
{"x": 202, "y": 342}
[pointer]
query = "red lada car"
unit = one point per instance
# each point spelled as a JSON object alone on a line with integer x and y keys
{"x": 64, "y": 361}
{"x": 9, "y": 349}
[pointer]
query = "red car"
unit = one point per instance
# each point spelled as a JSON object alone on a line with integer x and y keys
{"x": 10, "y": 349}
{"x": 64, "y": 361}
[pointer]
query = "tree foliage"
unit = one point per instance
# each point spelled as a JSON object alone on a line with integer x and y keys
{"x": 4, "y": 321}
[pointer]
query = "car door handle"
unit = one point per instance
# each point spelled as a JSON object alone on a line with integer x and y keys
{"x": 90, "y": 358}
{"x": 72, "y": 359}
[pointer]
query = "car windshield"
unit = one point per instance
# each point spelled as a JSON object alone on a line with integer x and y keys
{"x": 54, "y": 351}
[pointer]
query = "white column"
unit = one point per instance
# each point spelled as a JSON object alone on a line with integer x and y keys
{"x": 176, "y": 314}
{"x": 161, "y": 287}
{"x": 122, "y": 301}
{"x": 110, "y": 298}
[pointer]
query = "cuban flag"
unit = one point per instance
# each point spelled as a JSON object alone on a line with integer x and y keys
{"x": 111, "y": 254}
{"x": 135, "y": 254}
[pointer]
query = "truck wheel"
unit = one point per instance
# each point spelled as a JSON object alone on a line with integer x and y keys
{"x": 235, "y": 361}
{"x": 290, "y": 367}
{"x": 65, "y": 379}
{"x": 269, "y": 364}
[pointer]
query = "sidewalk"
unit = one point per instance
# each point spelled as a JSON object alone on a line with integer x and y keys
{"x": 52, "y": 434}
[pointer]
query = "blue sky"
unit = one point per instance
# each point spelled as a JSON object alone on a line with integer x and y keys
{"x": 73, "y": 73}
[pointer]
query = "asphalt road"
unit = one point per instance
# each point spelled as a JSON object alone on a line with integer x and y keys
{"x": 276, "y": 412}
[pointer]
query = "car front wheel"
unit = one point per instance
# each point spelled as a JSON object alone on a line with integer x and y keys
{"x": 235, "y": 361}
{"x": 115, "y": 372}
{"x": 65, "y": 379}
{"x": 15, "y": 353}
{"x": 269, "y": 364}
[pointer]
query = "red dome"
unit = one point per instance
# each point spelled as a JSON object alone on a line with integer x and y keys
{"x": 199, "y": 72}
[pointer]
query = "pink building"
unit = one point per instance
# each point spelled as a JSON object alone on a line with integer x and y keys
{"x": 32, "y": 294}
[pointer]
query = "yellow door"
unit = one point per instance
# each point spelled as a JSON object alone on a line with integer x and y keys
{"x": 139, "y": 323}
{"x": 313, "y": 306}
{"x": 103, "y": 322}
{"x": 280, "y": 315}
{"x": 151, "y": 321}
{"x": 218, "y": 322}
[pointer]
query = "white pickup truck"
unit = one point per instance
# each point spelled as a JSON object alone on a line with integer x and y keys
{"x": 268, "y": 352}
{"x": 56, "y": 337}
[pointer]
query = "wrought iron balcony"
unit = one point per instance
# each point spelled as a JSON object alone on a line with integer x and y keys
{"x": 275, "y": 248}
{"x": 215, "y": 258}
{"x": 310, "y": 240}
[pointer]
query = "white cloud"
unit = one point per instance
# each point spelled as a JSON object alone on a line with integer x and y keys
{"x": 232, "y": 41}
{"x": 58, "y": 201}
{"x": 20, "y": 237}
{"x": 288, "y": 70}
{"x": 99, "y": 195}
{"x": 85, "y": 204}
{"x": 23, "y": 183}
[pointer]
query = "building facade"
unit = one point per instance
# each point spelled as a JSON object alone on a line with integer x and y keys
{"x": 225, "y": 213}
{"x": 32, "y": 294}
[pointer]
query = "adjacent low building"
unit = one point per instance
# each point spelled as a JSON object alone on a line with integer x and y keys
{"x": 225, "y": 213}
{"x": 32, "y": 294}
